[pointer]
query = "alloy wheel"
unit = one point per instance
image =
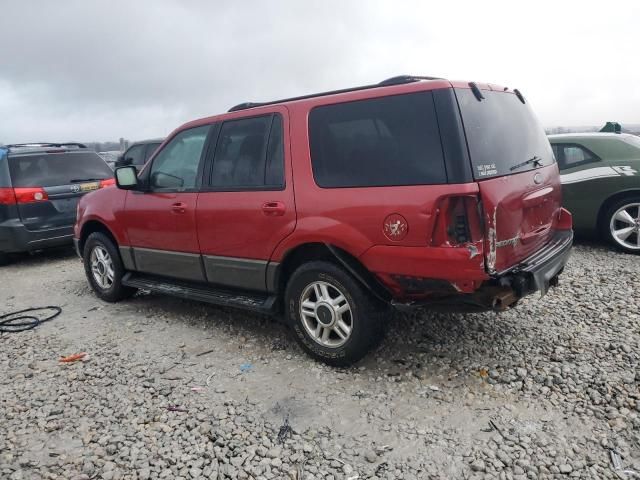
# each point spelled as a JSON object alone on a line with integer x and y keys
{"x": 326, "y": 314}
{"x": 625, "y": 226}
{"x": 102, "y": 267}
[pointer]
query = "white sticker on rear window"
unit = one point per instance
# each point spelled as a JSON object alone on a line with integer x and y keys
{"x": 487, "y": 169}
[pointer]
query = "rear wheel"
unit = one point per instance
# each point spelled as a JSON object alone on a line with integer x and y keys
{"x": 104, "y": 270}
{"x": 621, "y": 225}
{"x": 333, "y": 317}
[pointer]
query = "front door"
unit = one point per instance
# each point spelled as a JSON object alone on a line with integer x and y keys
{"x": 246, "y": 206}
{"x": 161, "y": 222}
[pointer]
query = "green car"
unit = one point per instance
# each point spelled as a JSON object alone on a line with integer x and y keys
{"x": 601, "y": 184}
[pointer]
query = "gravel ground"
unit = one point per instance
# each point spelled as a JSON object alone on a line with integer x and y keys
{"x": 178, "y": 390}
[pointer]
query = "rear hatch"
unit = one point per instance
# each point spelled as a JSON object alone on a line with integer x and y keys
{"x": 516, "y": 172}
{"x": 47, "y": 186}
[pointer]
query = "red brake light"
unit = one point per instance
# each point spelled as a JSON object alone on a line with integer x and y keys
{"x": 30, "y": 194}
{"x": 107, "y": 183}
{"x": 7, "y": 197}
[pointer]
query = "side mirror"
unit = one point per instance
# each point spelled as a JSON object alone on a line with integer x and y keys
{"x": 127, "y": 178}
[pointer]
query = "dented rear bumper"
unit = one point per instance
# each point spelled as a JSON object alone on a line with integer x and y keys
{"x": 537, "y": 273}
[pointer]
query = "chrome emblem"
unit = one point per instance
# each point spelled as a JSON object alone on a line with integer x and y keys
{"x": 395, "y": 227}
{"x": 75, "y": 188}
{"x": 537, "y": 178}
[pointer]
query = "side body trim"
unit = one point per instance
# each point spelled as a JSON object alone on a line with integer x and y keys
{"x": 181, "y": 265}
{"x": 245, "y": 273}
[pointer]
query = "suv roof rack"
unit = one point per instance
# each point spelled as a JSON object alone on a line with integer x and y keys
{"x": 398, "y": 80}
{"x": 46, "y": 144}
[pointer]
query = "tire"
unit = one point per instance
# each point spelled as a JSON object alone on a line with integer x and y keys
{"x": 627, "y": 226}
{"x": 364, "y": 315}
{"x": 4, "y": 259}
{"x": 109, "y": 288}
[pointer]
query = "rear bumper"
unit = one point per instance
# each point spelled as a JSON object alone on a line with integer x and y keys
{"x": 540, "y": 271}
{"x": 536, "y": 273}
{"x": 14, "y": 237}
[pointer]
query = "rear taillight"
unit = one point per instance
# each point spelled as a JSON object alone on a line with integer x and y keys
{"x": 458, "y": 221}
{"x": 30, "y": 194}
{"x": 7, "y": 197}
{"x": 107, "y": 183}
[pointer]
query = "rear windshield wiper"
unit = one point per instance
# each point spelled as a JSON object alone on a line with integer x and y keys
{"x": 536, "y": 160}
{"x": 78, "y": 180}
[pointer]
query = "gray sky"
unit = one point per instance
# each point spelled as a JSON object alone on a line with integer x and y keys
{"x": 99, "y": 70}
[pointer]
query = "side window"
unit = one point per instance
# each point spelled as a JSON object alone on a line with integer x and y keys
{"x": 574, "y": 155}
{"x": 556, "y": 151}
{"x": 249, "y": 153}
{"x": 176, "y": 166}
{"x": 135, "y": 155}
{"x": 151, "y": 147}
{"x": 377, "y": 142}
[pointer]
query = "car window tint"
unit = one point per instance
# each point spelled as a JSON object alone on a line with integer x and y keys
{"x": 576, "y": 155}
{"x": 386, "y": 141}
{"x": 151, "y": 147}
{"x": 240, "y": 159}
{"x": 135, "y": 155}
{"x": 502, "y": 133}
{"x": 48, "y": 170}
{"x": 176, "y": 165}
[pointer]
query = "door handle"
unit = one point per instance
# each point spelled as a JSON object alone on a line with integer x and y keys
{"x": 274, "y": 209}
{"x": 179, "y": 207}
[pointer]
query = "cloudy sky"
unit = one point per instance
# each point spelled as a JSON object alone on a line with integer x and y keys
{"x": 106, "y": 69}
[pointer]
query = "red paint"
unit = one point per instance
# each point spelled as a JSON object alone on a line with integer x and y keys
{"x": 162, "y": 221}
{"x": 520, "y": 210}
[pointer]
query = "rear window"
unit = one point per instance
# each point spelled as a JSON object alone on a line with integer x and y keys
{"x": 377, "y": 142}
{"x": 48, "y": 170}
{"x": 502, "y": 134}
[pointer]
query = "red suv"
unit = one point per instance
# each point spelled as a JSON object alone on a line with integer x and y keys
{"x": 336, "y": 207}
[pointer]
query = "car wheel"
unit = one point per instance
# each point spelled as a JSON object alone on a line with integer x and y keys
{"x": 104, "y": 270}
{"x": 4, "y": 259}
{"x": 621, "y": 224}
{"x": 333, "y": 317}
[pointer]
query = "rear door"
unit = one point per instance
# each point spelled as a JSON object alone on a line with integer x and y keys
{"x": 247, "y": 207}
{"x": 47, "y": 186}
{"x": 514, "y": 167}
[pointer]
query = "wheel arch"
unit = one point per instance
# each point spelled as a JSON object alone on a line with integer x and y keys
{"x": 92, "y": 226}
{"x": 616, "y": 197}
{"x": 313, "y": 251}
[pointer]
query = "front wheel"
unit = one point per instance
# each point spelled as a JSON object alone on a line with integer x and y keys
{"x": 334, "y": 319}
{"x": 621, "y": 224}
{"x": 104, "y": 269}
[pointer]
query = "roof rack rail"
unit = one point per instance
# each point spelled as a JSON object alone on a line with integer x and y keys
{"x": 398, "y": 80}
{"x": 46, "y": 144}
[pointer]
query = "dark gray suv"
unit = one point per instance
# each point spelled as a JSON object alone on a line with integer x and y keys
{"x": 40, "y": 184}
{"x": 138, "y": 153}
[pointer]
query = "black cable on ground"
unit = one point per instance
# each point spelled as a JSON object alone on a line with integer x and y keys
{"x": 19, "y": 322}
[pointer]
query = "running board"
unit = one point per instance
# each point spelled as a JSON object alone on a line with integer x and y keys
{"x": 200, "y": 292}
